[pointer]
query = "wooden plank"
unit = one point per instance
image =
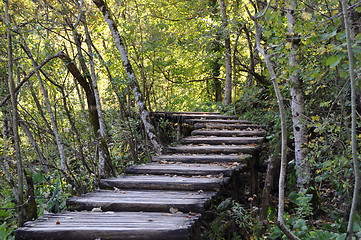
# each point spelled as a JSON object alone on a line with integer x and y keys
{"x": 147, "y": 201}
{"x": 225, "y": 121}
{"x": 187, "y": 113}
{"x": 181, "y": 169}
{"x": 207, "y": 116}
{"x": 202, "y": 158}
{"x": 233, "y": 126}
{"x": 221, "y": 140}
{"x": 159, "y": 182}
{"x": 111, "y": 225}
{"x": 226, "y": 149}
{"x": 229, "y": 133}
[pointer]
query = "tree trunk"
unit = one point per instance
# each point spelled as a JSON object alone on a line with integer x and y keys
{"x": 105, "y": 162}
{"x": 228, "y": 55}
{"x": 63, "y": 159}
{"x": 303, "y": 167}
{"x": 84, "y": 81}
{"x": 15, "y": 121}
{"x": 144, "y": 114}
{"x": 44, "y": 163}
{"x": 353, "y": 125}
{"x": 281, "y": 185}
{"x": 31, "y": 209}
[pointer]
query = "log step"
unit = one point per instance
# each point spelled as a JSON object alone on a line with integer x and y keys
{"x": 206, "y": 116}
{"x": 222, "y": 140}
{"x": 159, "y": 182}
{"x": 229, "y": 133}
{"x": 202, "y": 158}
{"x": 225, "y": 149}
{"x": 182, "y": 169}
{"x": 233, "y": 126}
{"x": 185, "y": 113}
{"x": 111, "y": 226}
{"x": 224, "y": 121}
{"x": 142, "y": 200}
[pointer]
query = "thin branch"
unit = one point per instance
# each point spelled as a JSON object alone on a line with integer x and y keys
{"x": 29, "y": 75}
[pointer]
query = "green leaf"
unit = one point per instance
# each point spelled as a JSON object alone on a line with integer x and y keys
{"x": 333, "y": 61}
{"x": 224, "y": 205}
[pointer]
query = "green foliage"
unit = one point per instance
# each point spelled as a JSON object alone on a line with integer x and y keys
{"x": 7, "y": 215}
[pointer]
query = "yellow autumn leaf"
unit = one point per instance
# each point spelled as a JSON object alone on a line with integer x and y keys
{"x": 288, "y": 45}
{"x": 315, "y": 118}
{"x": 321, "y": 50}
{"x": 306, "y": 16}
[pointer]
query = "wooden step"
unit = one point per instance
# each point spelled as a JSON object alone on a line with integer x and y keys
{"x": 202, "y": 158}
{"x": 221, "y": 140}
{"x": 181, "y": 169}
{"x": 142, "y": 200}
{"x": 229, "y": 133}
{"x": 234, "y": 126}
{"x": 221, "y": 121}
{"x": 186, "y": 113}
{"x": 160, "y": 182}
{"x": 206, "y": 116}
{"x": 211, "y": 149}
{"x": 109, "y": 225}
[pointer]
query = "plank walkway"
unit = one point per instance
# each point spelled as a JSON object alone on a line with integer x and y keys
{"x": 163, "y": 199}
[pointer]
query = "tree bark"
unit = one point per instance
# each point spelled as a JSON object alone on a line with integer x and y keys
{"x": 15, "y": 120}
{"x": 353, "y": 125}
{"x": 44, "y": 163}
{"x": 144, "y": 114}
{"x": 31, "y": 208}
{"x": 105, "y": 163}
{"x": 303, "y": 167}
{"x": 84, "y": 80}
{"x": 63, "y": 159}
{"x": 270, "y": 67}
{"x": 228, "y": 55}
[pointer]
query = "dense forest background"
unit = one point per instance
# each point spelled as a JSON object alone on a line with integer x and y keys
{"x": 71, "y": 112}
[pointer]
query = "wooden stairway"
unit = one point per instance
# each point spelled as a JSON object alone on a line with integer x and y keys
{"x": 163, "y": 199}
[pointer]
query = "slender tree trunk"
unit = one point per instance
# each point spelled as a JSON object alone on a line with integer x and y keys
{"x": 228, "y": 55}
{"x": 31, "y": 208}
{"x": 44, "y": 163}
{"x": 38, "y": 105}
{"x": 76, "y": 132}
{"x": 15, "y": 120}
{"x": 270, "y": 67}
{"x": 144, "y": 114}
{"x": 130, "y": 137}
{"x": 353, "y": 125}
{"x": 105, "y": 162}
{"x": 303, "y": 167}
{"x": 84, "y": 81}
{"x": 63, "y": 159}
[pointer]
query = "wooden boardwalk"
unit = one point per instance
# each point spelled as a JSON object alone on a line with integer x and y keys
{"x": 163, "y": 199}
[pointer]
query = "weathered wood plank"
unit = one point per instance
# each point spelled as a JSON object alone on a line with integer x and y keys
{"x": 226, "y": 149}
{"x": 185, "y": 113}
{"x": 225, "y": 121}
{"x": 207, "y": 116}
{"x": 147, "y": 201}
{"x": 221, "y": 140}
{"x": 181, "y": 169}
{"x": 159, "y": 182}
{"x": 229, "y": 133}
{"x": 233, "y": 126}
{"x": 202, "y": 158}
{"x": 111, "y": 225}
